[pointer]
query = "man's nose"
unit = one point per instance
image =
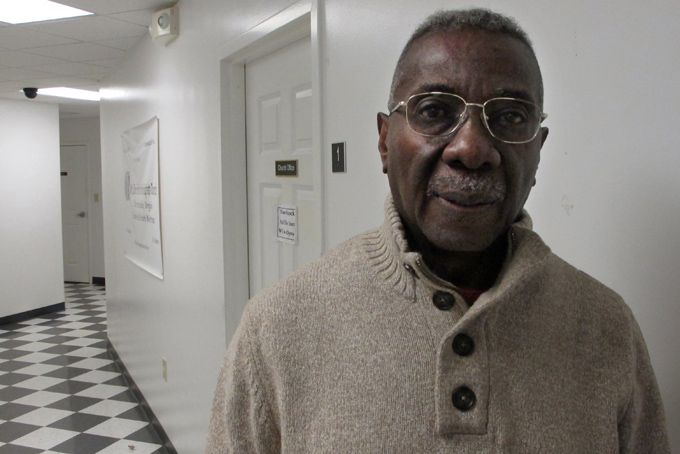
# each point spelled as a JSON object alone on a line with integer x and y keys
{"x": 472, "y": 145}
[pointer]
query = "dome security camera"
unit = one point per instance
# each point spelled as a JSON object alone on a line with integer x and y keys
{"x": 31, "y": 92}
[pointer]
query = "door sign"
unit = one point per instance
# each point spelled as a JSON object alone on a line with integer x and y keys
{"x": 286, "y": 224}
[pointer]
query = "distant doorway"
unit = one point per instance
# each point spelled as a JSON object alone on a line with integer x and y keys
{"x": 74, "y": 215}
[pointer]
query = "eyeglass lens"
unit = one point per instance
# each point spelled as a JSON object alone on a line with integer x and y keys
{"x": 509, "y": 120}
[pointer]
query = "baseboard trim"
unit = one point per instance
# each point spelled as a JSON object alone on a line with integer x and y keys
{"x": 167, "y": 444}
{"x": 23, "y": 316}
{"x": 99, "y": 281}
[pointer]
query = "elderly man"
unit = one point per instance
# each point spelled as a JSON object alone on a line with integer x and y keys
{"x": 452, "y": 328}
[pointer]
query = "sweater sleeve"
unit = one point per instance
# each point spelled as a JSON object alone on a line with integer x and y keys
{"x": 242, "y": 421}
{"x": 642, "y": 430}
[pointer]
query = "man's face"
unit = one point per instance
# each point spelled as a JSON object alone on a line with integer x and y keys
{"x": 462, "y": 191}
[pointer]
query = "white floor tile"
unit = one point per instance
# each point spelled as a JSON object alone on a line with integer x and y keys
{"x": 33, "y": 321}
{"x": 39, "y": 383}
{"x": 82, "y": 341}
{"x": 45, "y": 438}
{"x": 40, "y": 398}
{"x": 32, "y": 329}
{"x": 71, "y": 317}
{"x": 37, "y": 369}
{"x": 37, "y": 357}
{"x": 116, "y": 428}
{"x": 36, "y": 337}
{"x": 87, "y": 352}
{"x": 43, "y": 416}
{"x": 34, "y": 346}
{"x": 75, "y": 325}
{"x": 109, "y": 408}
{"x": 102, "y": 391}
{"x": 81, "y": 333}
{"x": 123, "y": 447}
{"x": 92, "y": 363}
{"x": 97, "y": 376}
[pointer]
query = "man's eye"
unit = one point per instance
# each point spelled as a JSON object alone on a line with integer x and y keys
{"x": 433, "y": 110}
{"x": 510, "y": 117}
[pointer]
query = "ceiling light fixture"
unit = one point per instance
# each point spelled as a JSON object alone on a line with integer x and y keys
{"x": 72, "y": 93}
{"x": 24, "y": 11}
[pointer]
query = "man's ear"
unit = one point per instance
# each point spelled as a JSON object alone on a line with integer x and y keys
{"x": 383, "y": 126}
{"x": 544, "y": 134}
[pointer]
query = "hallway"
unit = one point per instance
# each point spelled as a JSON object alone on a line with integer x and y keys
{"x": 60, "y": 391}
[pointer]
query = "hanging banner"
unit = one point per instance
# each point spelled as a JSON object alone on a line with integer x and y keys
{"x": 143, "y": 245}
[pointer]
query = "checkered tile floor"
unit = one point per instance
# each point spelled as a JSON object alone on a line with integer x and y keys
{"x": 60, "y": 391}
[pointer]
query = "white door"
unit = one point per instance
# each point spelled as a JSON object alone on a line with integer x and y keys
{"x": 74, "y": 216}
{"x": 279, "y": 128}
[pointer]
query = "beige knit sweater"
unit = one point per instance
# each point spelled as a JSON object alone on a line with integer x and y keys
{"x": 351, "y": 355}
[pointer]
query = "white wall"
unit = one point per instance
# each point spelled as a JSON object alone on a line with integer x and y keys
{"x": 182, "y": 317}
{"x": 611, "y": 92}
{"x": 31, "y": 264}
{"x": 85, "y": 131}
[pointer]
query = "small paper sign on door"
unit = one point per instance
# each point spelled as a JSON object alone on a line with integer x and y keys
{"x": 286, "y": 224}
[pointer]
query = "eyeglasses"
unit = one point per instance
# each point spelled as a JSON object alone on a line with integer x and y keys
{"x": 509, "y": 120}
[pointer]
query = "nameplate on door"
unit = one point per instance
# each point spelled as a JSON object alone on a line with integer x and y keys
{"x": 287, "y": 168}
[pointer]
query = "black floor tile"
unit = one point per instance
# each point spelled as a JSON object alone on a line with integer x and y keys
{"x": 135, "y": 414}
{"x": 61, "y": 349}
{"x": 145, "y": 435}
{"x": 84, "y": 444}
{"x": 116, "y": 381}
{"x": 11, "y": 410}
{"x": 74, "y": 403}
{"x": 94, "y": 319}
{"x": 12, "y": 334}
{"x": 54, "y": 323}
{"x": 12, "y": 343}
{"x": 13, "y": 354}
{"x": 57, "y": 339}
{"x": 13, "y": 449}
{"x": 78, "y": 422}
{"x": 125, "y": 396}
{"x": 54, "y": 316}
{"x": 63, "y": 360}
{"x": 99, "y": 327}
{"x": 12, "y": 393}
{"x": 56, "y": 331}
{"x": 110, "y": 367}
{"x": 10, "y": 431}
{"x": 67, "y": 372}
{"x": 13, "y": 378}
{"x": 70, "y": 387}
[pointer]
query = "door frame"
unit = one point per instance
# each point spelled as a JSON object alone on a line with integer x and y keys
{"x": 87, "y": 204}
{"x": 286, "y": 27}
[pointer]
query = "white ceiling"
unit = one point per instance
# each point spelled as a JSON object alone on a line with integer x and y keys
{"x": 76, "y": 52}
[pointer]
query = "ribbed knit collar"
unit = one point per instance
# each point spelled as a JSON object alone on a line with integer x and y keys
{"x": 397, "y": 265}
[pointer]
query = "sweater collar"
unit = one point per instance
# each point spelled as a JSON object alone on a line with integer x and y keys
{"x": 397, "y": 265}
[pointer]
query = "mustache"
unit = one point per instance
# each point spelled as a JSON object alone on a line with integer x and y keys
{"x": 467, "y": 184}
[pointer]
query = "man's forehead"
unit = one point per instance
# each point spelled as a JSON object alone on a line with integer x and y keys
{"x": 455, "y": 56}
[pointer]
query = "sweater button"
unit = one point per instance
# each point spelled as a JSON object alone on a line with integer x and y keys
{"x": 464, "y": 399}
{"x": 463, "y": 345}
{"x": 443, "y": 301}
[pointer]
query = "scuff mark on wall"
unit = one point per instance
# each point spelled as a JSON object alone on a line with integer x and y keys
{"x": 567, "y": 205}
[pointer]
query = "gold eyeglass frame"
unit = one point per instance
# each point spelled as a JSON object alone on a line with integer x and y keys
{"x": 464, "y": 116}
